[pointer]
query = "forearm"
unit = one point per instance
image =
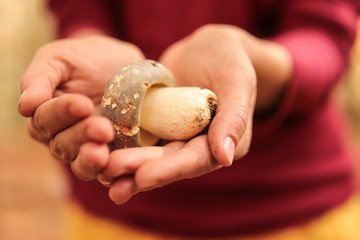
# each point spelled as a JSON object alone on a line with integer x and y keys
{"x": 273, "y": 66}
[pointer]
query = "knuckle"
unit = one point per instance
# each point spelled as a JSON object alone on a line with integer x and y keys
{"x": 209, "y": 28}
{"x": 50, "y": 47}
{"x": 241, "y": 121}
{"x": 37, "y": 130}
{"x": 58, "y": 150}
{"x": 214, "y": 29}
{"x": 135, "y": 52}
{"x": 45, "y": 50}
{"x": 41, "y": 127}
{"x": 244, "y": 144}
{"x": 31, "y": 131}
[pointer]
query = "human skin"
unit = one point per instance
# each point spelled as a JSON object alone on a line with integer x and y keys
{"x": 61, "y": 93}
{"x": 245, "y": 72}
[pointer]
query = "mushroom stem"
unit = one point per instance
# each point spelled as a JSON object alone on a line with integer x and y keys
{"x": 176, "y": 113}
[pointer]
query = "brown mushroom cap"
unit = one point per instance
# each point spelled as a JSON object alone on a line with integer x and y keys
{"x": 123, "y": 97}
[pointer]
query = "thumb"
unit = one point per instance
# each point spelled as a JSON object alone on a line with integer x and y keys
{"x": 231, "y": 129}
{"x": 40, "y": 80}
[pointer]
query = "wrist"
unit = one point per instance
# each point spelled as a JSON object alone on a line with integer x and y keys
{"x": 273, "y": 66}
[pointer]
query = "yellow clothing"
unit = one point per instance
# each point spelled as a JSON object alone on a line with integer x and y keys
{"x": 341, "y": 223}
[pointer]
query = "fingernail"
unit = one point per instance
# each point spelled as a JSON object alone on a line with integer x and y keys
{"x": 104, "y": 180}
{"x": 22, "y": 96}
{"x": 229, "y": 147}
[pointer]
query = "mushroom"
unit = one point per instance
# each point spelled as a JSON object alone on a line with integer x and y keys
{"x": 144, "y": 106}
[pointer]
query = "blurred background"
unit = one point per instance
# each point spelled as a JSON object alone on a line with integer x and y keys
{"x": 32, "y": 186}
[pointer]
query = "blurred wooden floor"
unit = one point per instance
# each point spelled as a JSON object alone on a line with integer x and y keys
{"x": 32, "y": 187}
{"x": 32, "y": 191}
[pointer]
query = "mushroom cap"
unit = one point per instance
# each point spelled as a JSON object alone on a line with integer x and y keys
{"x": 122, "y": 100}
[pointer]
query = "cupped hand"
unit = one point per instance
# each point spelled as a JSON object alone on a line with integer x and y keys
{"x": 133, "y": 170}
{"x": 61, "y": 93}
{"x": 215, "y": 57}
{"x": 212, "y": 57}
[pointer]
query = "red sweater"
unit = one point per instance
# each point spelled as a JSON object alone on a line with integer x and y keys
{"x": 298, "y": 166}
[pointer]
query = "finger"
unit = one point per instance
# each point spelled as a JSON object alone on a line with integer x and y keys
{"x": 122, "y": 189}
{"x": 40, "y": 80}
{"x": 92, "y": 158}
{"x": 233, "y": 120}
{"x": 127, "y": 161}
{"x": 193, "y": 160}
{"x": 58, "y": 114}
{"x": 65, "y": 145}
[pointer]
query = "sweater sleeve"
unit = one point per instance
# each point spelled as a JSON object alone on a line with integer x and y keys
{"x": 319, "y": 36}
{"x": 72, "y": 15}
